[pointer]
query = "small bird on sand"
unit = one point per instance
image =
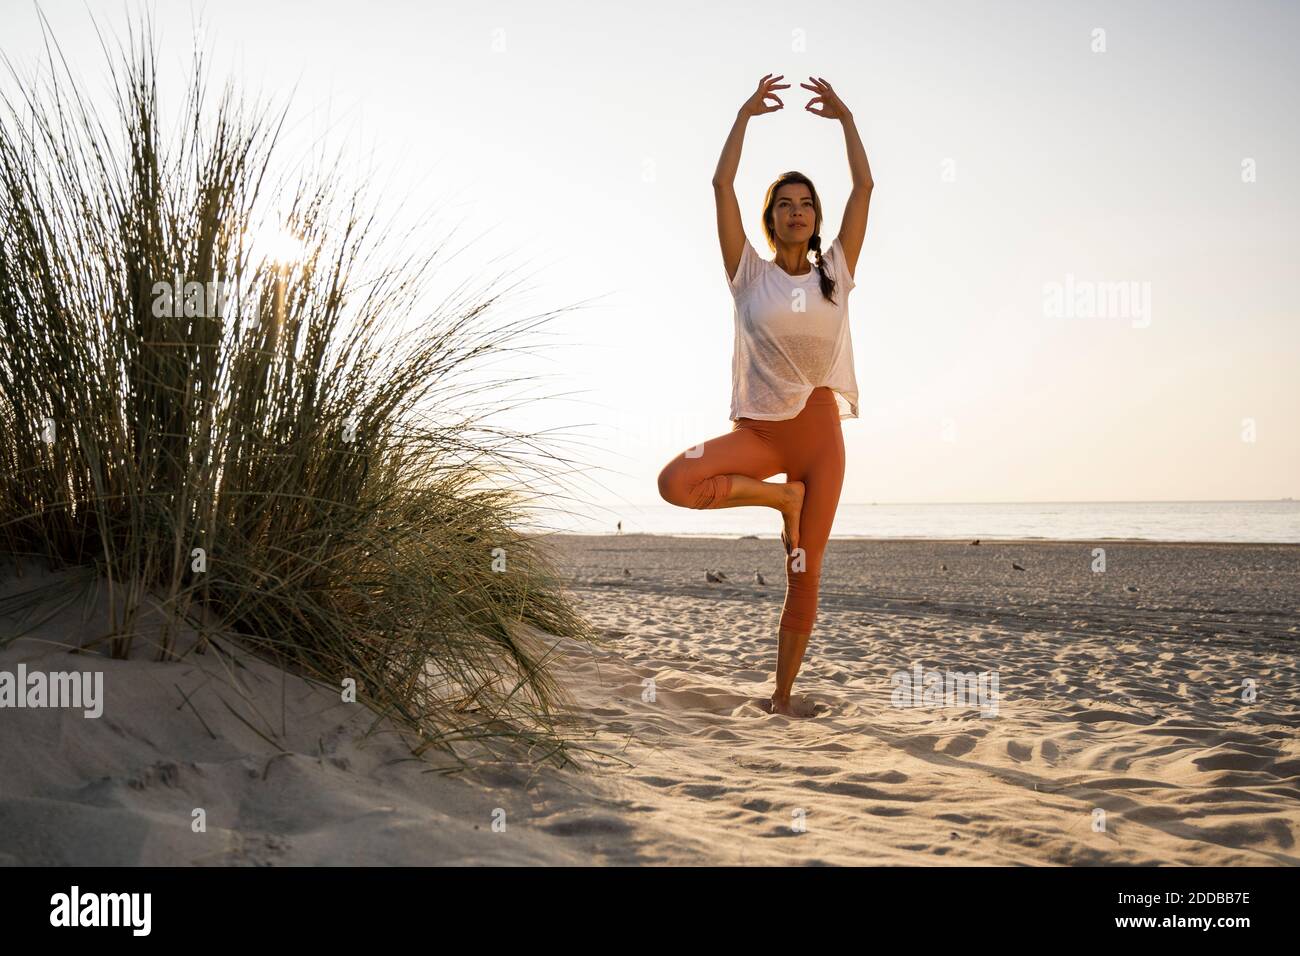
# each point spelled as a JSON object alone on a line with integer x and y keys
{"x": 1016, "y": 566}
{"x": 711, "y": 577}
{"x": 1129, "y": 587}
{"x": 976, "y": 541}
{"x": 758, "y": 577}
{"x": 943, "y": 567}
{"x": 627, "y": 573}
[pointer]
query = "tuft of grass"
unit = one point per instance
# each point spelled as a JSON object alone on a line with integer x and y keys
{"x": 294, "y": 461}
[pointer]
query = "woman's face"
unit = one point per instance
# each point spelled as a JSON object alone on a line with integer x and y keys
{"x": 793, "y": 214}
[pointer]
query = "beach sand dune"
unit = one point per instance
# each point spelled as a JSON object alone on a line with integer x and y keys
{"x": 1145, "y": 714}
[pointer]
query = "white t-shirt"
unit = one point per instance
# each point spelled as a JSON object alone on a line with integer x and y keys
{"x": 789, "y": 338}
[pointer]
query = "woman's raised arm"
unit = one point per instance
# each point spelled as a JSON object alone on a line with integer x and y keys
{"x": 853, "y": 224}
{"x": 731, "y": 230}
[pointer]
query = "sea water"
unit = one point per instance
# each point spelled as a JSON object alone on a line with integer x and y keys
{"x": 1212, "y": 521}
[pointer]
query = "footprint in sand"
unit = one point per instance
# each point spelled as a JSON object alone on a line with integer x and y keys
{"x": 1019, "y": 751}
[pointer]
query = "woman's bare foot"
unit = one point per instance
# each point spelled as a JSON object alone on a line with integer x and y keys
{"x": 782, "y": 706}
{"x": 793, "y": 706}
{"x": 790, "y": 512}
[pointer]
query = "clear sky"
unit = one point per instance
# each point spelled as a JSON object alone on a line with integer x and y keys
{"x": 575, "y": 143}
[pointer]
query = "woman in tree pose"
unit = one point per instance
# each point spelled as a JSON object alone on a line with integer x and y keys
{"x": 792, "y": 368}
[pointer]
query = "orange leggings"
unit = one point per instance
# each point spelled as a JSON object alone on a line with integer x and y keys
{"x": 807, "y": 448}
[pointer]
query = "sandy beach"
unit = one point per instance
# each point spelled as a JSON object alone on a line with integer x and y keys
{"x": 1144, "y": 714}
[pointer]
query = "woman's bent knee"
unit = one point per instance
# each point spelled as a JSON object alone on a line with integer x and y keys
{"x": 668, "y": 490}
{"x": 677, "y": 487}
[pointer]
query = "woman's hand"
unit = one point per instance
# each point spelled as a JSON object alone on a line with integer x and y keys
{"x": 832, "y": 106}
{"x": 756, "y": 105}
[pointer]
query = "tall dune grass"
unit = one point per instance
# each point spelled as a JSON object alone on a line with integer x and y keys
{"x": 297, "y": 463}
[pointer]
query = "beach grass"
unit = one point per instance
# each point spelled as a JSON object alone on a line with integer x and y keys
{"x": 271, "y": 439}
